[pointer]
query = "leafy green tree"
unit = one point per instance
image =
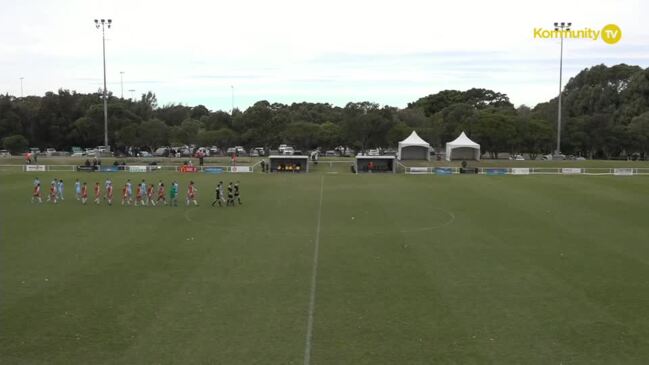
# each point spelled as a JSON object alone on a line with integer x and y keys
{"x": 496, "y": 131}
{"x": 639, "y": 129}
{"x": 188, "y": 132}
{"x": 199, "y": 111}
{"x": 454, "y": 119}
{"x": 217, "y": 120}
{"x": 128, "y": 136}
{"x": 302, "y": 134}
{"x": 397, "y": 133}
{"x": 330, "y": 135}
{"x": 172, "y": 114}
{"x": 536, "y": 137}
{"x": 225, "y": 137}
{"x": 15, "y": 144}
{"x": 414, "y": 117}
{"x": 153, "y": 133}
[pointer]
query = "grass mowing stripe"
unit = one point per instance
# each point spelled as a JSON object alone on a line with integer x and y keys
{"x": 309, "y": 326}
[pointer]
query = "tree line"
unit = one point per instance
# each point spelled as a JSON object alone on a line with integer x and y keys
{"x": 606, "y": 114}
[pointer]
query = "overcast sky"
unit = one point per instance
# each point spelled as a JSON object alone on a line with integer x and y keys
{"x": 335, "y": 51}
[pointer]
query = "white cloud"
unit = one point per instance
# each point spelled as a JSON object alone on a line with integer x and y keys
{"x": 330, "y": 51}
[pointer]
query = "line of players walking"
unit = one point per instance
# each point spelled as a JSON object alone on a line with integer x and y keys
{"x": 145, "y": 194}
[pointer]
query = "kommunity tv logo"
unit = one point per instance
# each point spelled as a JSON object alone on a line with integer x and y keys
{"x": 610, "y": 33}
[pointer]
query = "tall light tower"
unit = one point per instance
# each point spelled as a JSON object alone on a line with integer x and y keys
{"x": 21, "y": 87}
{"x": 103, "y": 23}
{"x": 561, "y": 27}
{"x": 232, "y": 110}
{"x": 121, "y": 82}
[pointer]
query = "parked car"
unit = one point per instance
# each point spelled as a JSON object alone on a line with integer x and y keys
{"x": 186, "y": 151}
{"x": 77, "y": 152}
{"x": 50, "y": 151}
{"x": 204, "y": 150}
{"x": 35, "y": 151}
{"x": 287, "y": 151}
{"x": 261, "y": 151}
{"x": 330, "y": 153}
{"x": 144, "y": 154}
{"x": 239, "y": 150}
{"x": 554, "y": 157}
{"x": 161, "y": 152}
{"x": 374, "y": 152}
{"x": 5, "y": 153}
{"x": 214, "y": 151}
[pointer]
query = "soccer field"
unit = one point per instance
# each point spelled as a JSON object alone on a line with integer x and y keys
{"x": 378, "y": 269}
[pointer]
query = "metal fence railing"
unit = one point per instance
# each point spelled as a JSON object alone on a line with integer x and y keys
{"x": 591, "y": 171}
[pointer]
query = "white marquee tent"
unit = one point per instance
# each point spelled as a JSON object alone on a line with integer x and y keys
{"x": 462, "y": 148}
{"x": 413, "y": 148}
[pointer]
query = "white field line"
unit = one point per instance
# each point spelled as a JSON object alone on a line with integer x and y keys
{"x": 314, "y": 276}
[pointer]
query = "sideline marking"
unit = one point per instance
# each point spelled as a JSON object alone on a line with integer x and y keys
{"x": 314, "y": 275}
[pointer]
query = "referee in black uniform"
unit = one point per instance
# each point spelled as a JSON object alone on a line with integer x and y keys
{"x": 230, "y": 195}
{"x": 219, "y": 191}
{"x": 236, "y": 193}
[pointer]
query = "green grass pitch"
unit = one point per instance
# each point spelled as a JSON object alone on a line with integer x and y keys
{"x": 411, "y": 270}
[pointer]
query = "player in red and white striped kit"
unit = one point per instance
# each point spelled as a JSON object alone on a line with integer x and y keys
{"x": 161, "y": 193}
{"x": 53, "y": 194}
{"x": 109, "y": 193}
{"x": 36, "y": 195}
{"x": 191, "y": 193}
{"x": 84, "y": 193}
{"x": 97, "y": 193}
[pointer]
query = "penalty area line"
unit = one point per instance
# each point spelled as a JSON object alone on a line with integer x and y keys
{"x": 314, "y": 276}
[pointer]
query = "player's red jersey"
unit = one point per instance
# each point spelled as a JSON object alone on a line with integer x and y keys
{"x": 109, "y": 191}
{"x": 138, "y": 192}
{"x": 97, "y": 191}
{"x": 149, "y": 191}
{"x": 125, "y": 192}
{"x": 161, "y": 192}
{"x": 52, "y": 190}
{"x": 84, "y": 191}
{"x": 190, "y": 191}
{"x": 37, "y": 190}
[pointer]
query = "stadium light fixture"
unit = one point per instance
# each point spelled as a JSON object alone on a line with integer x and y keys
{"x": 121, "y": 82}
{"x": 103, "y": 24}
{"x": 561, "y": 27}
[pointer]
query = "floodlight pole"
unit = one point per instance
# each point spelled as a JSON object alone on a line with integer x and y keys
{"x": 560, "y": 27}
{"x": 21, "y": 87}
{"x": 232, "y": 110}
{"x": 103, "y": 23}
{"x": 121, "y": 82}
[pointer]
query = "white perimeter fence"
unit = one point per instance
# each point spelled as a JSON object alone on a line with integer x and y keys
{"x": 495, "y": 171}
{"x": 129, "y": 168}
